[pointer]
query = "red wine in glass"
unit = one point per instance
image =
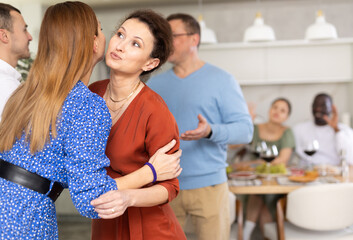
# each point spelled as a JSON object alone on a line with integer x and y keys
{"x": 310, "y": 152}
{"x": 310, "y": 149}
{"x": 269, "y": 154}
{"x": 268, "y": 158}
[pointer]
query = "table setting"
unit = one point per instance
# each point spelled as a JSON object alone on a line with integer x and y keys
{"x": 285, "y": 175}
{"x": 268, "y": 178}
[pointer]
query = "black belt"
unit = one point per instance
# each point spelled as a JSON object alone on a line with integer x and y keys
{"x": 29, "y": 180}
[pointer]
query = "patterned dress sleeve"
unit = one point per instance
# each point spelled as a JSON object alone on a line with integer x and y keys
{"x": 88, "y": 126}
{"x": 161, "y": 129}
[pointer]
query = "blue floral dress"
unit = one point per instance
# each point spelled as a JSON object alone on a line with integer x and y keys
{"x": 75, "y": 158}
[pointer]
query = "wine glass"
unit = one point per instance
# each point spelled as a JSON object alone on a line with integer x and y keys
{"x": 269, "y": 154}
{"x": 310, "y": 148}
{"x": 258, "y": 147}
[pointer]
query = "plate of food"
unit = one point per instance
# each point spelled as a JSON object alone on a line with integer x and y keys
{"x": 309, "y": 176}
{"x": 276, "y": 170}
{"x": 242, "y": 175}
{"x": 302, "y": 179}
{"x": 244, "y": 168}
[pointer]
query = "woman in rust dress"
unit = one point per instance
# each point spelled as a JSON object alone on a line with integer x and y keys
{"x": 142, "y": 124}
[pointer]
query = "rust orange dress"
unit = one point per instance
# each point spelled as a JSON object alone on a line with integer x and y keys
{"x": 144, "y": 127}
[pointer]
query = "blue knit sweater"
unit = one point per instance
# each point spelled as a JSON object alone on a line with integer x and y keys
{"x": 216, "y": 95}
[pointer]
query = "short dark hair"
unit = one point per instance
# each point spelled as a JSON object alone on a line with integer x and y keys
{"x": 5, "y": 16}
{"x": 161, "y": 32}
{"x": 284, "y": 100}
{"x": 322, "y": 95}
{"x": 191, "y": 24}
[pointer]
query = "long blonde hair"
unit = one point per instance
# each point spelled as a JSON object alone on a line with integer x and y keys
{"x": 65, "y": 53}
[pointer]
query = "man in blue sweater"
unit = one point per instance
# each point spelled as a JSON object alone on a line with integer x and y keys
{"x": 211, "y": 112}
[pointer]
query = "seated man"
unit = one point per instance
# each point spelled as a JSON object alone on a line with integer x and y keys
{"x": 333, "y": 137}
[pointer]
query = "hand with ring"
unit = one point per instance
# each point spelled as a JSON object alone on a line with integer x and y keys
{"x": 111, "y": 204}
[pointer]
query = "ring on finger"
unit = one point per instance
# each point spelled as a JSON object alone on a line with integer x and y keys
{"x": 113, "y": 210}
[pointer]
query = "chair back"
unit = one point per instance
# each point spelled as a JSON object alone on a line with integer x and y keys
{"x": 321, "y": 207}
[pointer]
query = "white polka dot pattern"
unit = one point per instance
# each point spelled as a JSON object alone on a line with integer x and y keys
{"x": 75, "y": 158}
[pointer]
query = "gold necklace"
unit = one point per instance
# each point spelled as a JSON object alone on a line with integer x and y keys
{"x": 116, "y": 110}
{"x": 133, "y": 91}
{"x": 115, "y": 114}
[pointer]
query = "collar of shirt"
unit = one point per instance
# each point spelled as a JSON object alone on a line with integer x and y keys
{"x": 7, "y": 69}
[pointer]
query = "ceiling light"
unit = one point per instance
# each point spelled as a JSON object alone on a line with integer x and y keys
{"x": 207, "y": 35}
{"x": 259, "y": 32}
{"x": 320, "y": 30}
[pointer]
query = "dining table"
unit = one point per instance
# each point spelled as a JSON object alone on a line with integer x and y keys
{"x": 265, "y": 187}
{"x": 272, "y": 185}
{"x": 277, "y": 185}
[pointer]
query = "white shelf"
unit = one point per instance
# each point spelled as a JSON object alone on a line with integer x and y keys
{"x": 283, "y": 62}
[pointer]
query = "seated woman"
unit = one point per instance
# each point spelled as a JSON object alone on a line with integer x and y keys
{"x": 273, "y": 132}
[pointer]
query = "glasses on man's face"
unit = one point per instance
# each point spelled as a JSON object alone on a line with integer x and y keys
{"x": 175, "y": 35}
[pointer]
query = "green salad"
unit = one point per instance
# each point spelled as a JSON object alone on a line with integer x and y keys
{"x": 271, "y": 169}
